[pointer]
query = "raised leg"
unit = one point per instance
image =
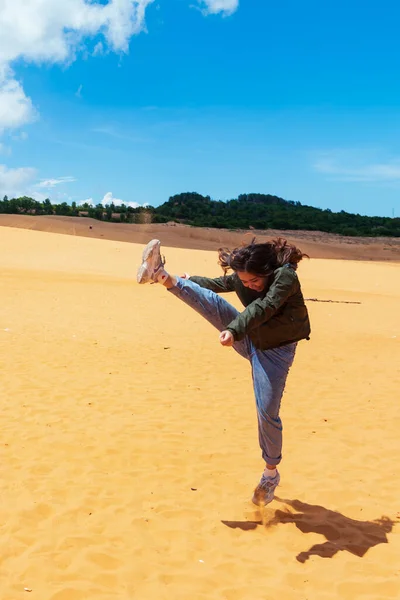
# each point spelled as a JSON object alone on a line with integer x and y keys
{"x": 212, "y": 307}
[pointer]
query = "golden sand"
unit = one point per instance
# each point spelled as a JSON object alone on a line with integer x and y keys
{"x": 129, "y": 442}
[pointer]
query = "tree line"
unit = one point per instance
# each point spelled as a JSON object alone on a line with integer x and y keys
{"x": 247, "y": 211}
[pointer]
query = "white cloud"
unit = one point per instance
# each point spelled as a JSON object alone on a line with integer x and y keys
{"x": 50, "y": 183}
{"x": 50, "y": 31}
{"x": 109, "y": 199}
{"x": 212, "y": 7}
{"x": 356, "y": 166}
{"x": 55, "y": 31}
{"x": 78, "y": 92}
{"x": 23, "y": 182}
{"x": 14, "y": 182}
{"x": 15, "y": 108}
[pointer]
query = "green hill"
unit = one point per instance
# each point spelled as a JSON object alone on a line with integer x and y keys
{"x": 263, "y": 211}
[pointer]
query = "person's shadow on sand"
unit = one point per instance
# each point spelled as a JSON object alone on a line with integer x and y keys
{"x": 341, "y": 532}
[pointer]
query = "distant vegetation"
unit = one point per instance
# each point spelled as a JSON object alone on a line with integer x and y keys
{"x": 257, "y": 211}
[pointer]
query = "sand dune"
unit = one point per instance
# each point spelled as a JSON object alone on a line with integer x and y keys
{"x": 317, "y": 244}
{"x": 129, "y": 446}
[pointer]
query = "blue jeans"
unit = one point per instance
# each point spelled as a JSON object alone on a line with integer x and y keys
{"x": 269, "y": 367}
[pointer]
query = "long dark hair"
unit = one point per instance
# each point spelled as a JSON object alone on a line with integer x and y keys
{"x": 260, "y": 259}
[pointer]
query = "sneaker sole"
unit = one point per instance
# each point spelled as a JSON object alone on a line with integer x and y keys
{"x": 142, "y": 274}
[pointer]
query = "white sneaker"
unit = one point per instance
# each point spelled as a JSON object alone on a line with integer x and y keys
{"x": 152, "y": 263}
{"x": 264, "y": 492}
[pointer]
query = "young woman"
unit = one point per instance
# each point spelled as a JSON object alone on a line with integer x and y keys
{"x": 275, "y": 318}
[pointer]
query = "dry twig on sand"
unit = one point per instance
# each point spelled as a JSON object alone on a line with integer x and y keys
{"x": 335, "y": 301}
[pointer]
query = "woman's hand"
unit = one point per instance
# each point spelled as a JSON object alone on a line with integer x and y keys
{"x": 226, "y": 338}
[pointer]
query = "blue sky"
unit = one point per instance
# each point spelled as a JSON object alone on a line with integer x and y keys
{"x": 224, "y": 97}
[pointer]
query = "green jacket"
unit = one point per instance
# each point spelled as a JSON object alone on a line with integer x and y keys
{"x": 274, "y": 317}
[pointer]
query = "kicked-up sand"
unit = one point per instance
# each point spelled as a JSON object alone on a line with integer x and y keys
{"x": 129, "y": 443}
